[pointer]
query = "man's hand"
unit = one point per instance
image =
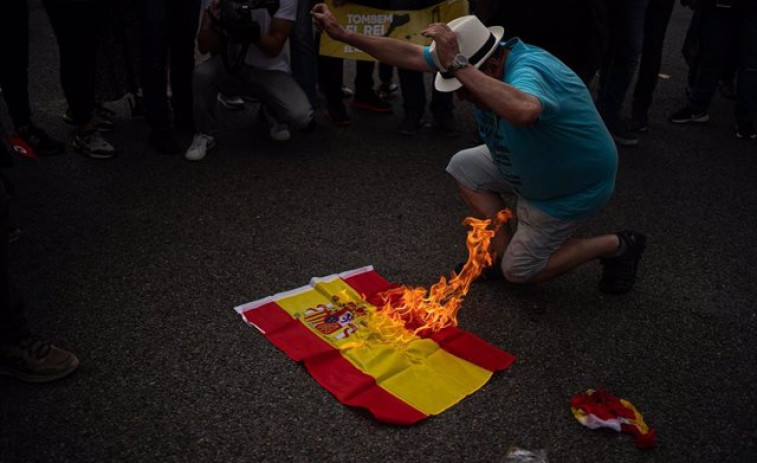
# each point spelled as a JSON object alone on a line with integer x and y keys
{"x": 324, "y": 20}
{"x": 445, "y": 42}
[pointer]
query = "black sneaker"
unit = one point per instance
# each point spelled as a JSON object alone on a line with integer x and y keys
{"x": 745, "y": 130}
{"x": 445, "y": 122}
{"x": 40, "y": 141}
{"x": 639, "y": 122}
{"x": 688, "y": 116}
{"x": 338, "y": 115}
{"x": 164, "y": 142}
{"x": 619, "y": 272}
{"x": 372, "y": 102}
{"x": 36, "y": 360}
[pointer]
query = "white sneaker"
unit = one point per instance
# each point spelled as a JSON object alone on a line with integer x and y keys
{"x": 231, "y": 102}
{"x": 201, "y": 143}
{"x": 278, "y": 130}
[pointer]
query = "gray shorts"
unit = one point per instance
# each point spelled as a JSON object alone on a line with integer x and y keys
{"x": 537, "y": 236}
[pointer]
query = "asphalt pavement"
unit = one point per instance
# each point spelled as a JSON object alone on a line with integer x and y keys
{"x": 136, "y": 264}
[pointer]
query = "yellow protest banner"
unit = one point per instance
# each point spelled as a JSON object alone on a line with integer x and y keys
{"x": 403, "y": 24}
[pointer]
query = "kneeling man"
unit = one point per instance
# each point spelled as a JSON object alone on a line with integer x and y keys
{"x": 543, "y": 141}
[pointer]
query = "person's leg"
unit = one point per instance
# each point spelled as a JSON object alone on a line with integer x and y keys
{"x": 184, "y": 21}
{"x": 209, "y": 78}
{"x": 365, "y": 96}
{"x": 655, "y": 25}
{"x": 690, "y": 48}
{"x": 155, "y": 34}
{"x": 75, "y": 26}
{"x": 717, "y": 34}
{"x": 14, "y": 77}
{"x": 442, "y": 107}
{"x": 330, "y": 80}
{"x": 279, "y": 93}
{"x": 304, "y": 51}
{"x": 482, "y": 189}
{"x": 413, "y": 100}
{"x": 746, "y": 91}
{"x": 14, "y": 43}
{"x": 626, "y": 29}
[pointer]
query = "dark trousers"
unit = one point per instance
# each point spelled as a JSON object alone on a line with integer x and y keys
{"x": 330, "y": 78}
{"x": 12, "y": 322}
{"x": 413, "y": 87}
{"x": 622, "y": 58}
{"x": 76, "y": 28}
{"x": 304, "y": 50}
{"x": 14, "y": 47}
{"x": 169, "y": 31}
{"x": 656, "y": 22}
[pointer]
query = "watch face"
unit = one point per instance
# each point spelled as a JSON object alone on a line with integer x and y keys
{"x": 460, "y": 61}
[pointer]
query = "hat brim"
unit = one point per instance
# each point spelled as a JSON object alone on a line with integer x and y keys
{"x": 451, "y": 84}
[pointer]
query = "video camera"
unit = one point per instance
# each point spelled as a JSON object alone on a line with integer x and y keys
{"x": 235, "y": 19}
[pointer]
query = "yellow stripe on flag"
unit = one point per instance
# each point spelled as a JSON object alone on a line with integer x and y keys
{"x": 420, "y": 373}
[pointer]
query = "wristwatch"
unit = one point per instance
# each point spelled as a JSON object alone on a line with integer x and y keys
{"x": 458, "y": 62}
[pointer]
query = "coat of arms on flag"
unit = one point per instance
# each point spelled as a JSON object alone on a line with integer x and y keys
{"x": 393, "y": 350}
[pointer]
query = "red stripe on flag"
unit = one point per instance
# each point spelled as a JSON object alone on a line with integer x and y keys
{"x": 353, "y": 387}
{"x": 368, "y": 283}
{"x": 473, "y": 349}
{"x": 452, "y": 339}
{"x": 285, "y": 332}
{"x": 329, "y": 368}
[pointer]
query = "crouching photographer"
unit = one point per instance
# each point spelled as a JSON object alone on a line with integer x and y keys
{"x": 246, "y": 39}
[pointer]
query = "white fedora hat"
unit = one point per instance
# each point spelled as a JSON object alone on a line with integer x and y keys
{"x": 476, "y": 42}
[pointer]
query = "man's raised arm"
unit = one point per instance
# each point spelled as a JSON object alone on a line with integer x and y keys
{"x": 389, "y": 51}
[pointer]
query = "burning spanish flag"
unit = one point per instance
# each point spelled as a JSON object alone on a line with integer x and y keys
{"x": 398, "y": 382}
{"x": 395, "y": 351}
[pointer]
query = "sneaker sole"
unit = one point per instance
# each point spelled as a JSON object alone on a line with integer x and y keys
{"x": 691, "y": 120}
{"x": 92, "y": 154}
{"x": 625, "y": 142}
{"x": 29, "y": 378}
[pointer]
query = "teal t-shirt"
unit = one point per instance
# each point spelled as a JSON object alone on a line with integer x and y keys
{"x": 565, "y": 163}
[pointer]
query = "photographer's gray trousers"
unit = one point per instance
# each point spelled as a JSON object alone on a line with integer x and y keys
{"x": 275, "y": 89}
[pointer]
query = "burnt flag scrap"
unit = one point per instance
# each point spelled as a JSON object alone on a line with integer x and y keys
{"x": 330, "y": 326}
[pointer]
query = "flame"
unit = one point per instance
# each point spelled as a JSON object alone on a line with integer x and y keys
{"x": 407, "y": 312}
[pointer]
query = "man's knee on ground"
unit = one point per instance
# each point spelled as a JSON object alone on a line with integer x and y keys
{"x": 300, "y": 117}
{"x": 520, "y": 270}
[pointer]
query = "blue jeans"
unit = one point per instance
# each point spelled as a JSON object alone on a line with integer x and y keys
{"x": 622, "y": 57}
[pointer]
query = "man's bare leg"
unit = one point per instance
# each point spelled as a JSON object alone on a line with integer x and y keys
{"x": 575, "y": 252}
{"x": 486, "y": 205}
